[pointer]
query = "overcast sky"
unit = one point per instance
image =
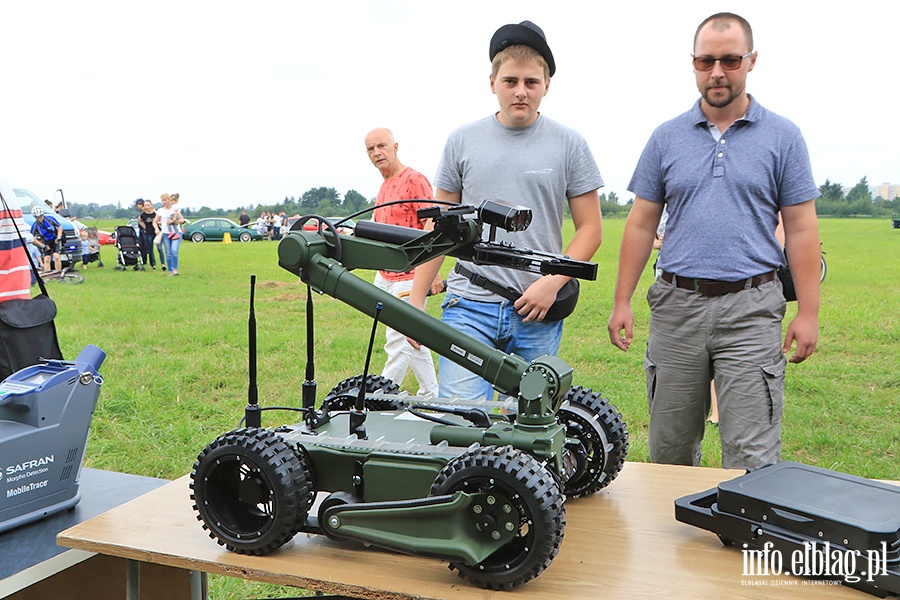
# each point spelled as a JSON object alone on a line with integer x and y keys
{"x": 238, "y": 103}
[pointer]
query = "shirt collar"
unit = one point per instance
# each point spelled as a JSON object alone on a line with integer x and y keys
{"x": 752, "y": 115}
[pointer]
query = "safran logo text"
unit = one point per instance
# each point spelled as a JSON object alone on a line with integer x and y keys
{"x": 816, "y": 560}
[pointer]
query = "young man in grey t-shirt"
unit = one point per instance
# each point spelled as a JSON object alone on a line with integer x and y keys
{"x": 519, "y": 156}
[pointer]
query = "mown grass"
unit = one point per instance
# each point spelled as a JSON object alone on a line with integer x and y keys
{"x": 176, "y": 370}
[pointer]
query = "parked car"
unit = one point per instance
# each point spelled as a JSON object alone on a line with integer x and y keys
{"x": 28, "y": 200}
{"x": 345, "y": 228}
{"x": 214, "y": 229}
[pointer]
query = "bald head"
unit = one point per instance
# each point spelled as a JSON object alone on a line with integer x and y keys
{"x": 380, "y": 133}
{"x": 382, "y": 151}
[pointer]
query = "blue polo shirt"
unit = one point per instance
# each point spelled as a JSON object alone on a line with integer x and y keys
{"x": 723, "y": 196}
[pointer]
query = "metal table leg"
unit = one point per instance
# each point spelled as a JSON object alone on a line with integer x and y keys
{"x": 133, "y": 580}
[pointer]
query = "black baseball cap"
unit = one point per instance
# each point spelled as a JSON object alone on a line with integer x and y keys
{"x": 525, "y": 33}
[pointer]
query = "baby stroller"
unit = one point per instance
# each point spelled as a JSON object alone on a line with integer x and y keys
{"x": 90, "y": 249}
{"x": 128, "y": 250}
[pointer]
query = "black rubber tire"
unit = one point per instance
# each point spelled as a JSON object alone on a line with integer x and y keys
{"x": 598, "y": 425}
{"x": 250, "y": 491}
{"x": 245, "y": 236}
{"x": 197, "y": 237}
{"x": 538, "y": 498}
{"x": 70, "y": 276}
{"x": 343, "y": 395}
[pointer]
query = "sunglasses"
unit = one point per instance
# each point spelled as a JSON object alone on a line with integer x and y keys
{"x": 729, "y": 62}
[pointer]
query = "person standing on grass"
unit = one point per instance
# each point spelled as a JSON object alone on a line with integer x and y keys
{"x": 146, "y": 220}
{"x": 401, "y": 183}
{"x": 142, "y": 243}
{"x": 50, "y": 232}
{"x": 724, "y": 171}
{"x": 261, "y": 224}
{"x": 169, "y": 220}
{"x": 277, "y": 220}
{"x": 519, "y": 155}
{"x": 33, "y": 245}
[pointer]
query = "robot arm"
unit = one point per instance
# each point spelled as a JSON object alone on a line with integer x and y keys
{"x": 323, "y": 259}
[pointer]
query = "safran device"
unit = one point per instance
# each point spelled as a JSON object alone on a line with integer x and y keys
{"x": 796, "y": 519}
{"x": 45, "y": 415}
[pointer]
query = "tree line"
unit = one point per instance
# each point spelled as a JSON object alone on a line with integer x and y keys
{"x": 328, "y": 202}
{"x": 857, "y": 202}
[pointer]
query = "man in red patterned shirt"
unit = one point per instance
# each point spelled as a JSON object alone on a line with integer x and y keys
{"x": 401, "y": 183}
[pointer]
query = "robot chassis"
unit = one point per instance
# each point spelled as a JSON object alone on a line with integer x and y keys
{"x": 467, "y": 482}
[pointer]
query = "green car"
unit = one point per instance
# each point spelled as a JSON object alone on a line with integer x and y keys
{"x": 214, "y": 229}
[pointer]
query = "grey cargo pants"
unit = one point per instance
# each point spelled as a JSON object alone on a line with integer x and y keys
{"x": 735, "y": 338}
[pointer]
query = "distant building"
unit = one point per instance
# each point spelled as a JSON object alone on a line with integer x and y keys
{"x": 888, "y": 191}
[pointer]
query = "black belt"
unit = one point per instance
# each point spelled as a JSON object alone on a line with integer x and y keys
{"x": 711, "y": 287}
{"x": 483, "y": 282}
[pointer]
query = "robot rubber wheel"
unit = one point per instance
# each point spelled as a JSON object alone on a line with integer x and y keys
{"x": 535, "y": 492}
{"x": 343, "y": 395}
{"x": 250, "y": 490}
{"x": 602, "y": 437}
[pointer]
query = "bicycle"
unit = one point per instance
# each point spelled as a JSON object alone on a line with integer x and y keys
{"x": 68, "y": 275}
{"x": 824, "y": 266}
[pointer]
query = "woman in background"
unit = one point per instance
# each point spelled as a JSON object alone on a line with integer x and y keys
{"x": 169, "y": 220}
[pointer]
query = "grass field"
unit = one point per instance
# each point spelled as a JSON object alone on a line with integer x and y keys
{"x": 175, "y": 375}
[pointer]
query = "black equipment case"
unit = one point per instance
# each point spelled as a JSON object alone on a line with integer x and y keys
{"x": 821, "y": 523}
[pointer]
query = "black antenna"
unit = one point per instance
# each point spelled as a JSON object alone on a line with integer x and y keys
{"x": 252, "y": 414}
{"x": 309, "y": 384}
{"x": 312, "y": 417}
{"x": 358, "y": 415}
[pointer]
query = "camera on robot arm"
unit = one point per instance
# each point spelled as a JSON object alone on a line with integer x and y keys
{"x": 457, "y": 232}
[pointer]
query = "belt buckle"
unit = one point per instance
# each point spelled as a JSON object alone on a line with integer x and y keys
{"x": 697, "y": 286}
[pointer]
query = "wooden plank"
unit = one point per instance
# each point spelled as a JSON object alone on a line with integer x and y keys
{"x": 621, "y": 542}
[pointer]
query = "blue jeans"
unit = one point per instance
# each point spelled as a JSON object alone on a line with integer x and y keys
{"x": 497, "y": 324}
{"x": 148, "y": 249}
{"x": 171, "y": 252}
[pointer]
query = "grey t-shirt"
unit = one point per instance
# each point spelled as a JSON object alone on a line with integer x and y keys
{"x": 538, "y": 167}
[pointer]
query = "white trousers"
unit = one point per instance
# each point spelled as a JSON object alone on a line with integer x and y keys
{"x": 400, "y": 355}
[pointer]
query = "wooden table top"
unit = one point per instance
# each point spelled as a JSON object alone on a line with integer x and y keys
{"x": 622, "y": 542}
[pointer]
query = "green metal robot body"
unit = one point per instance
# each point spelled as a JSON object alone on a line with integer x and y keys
{"x": 479, "y": 483}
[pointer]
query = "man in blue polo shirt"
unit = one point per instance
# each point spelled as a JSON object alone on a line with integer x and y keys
{"x": 724, "y": 171}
